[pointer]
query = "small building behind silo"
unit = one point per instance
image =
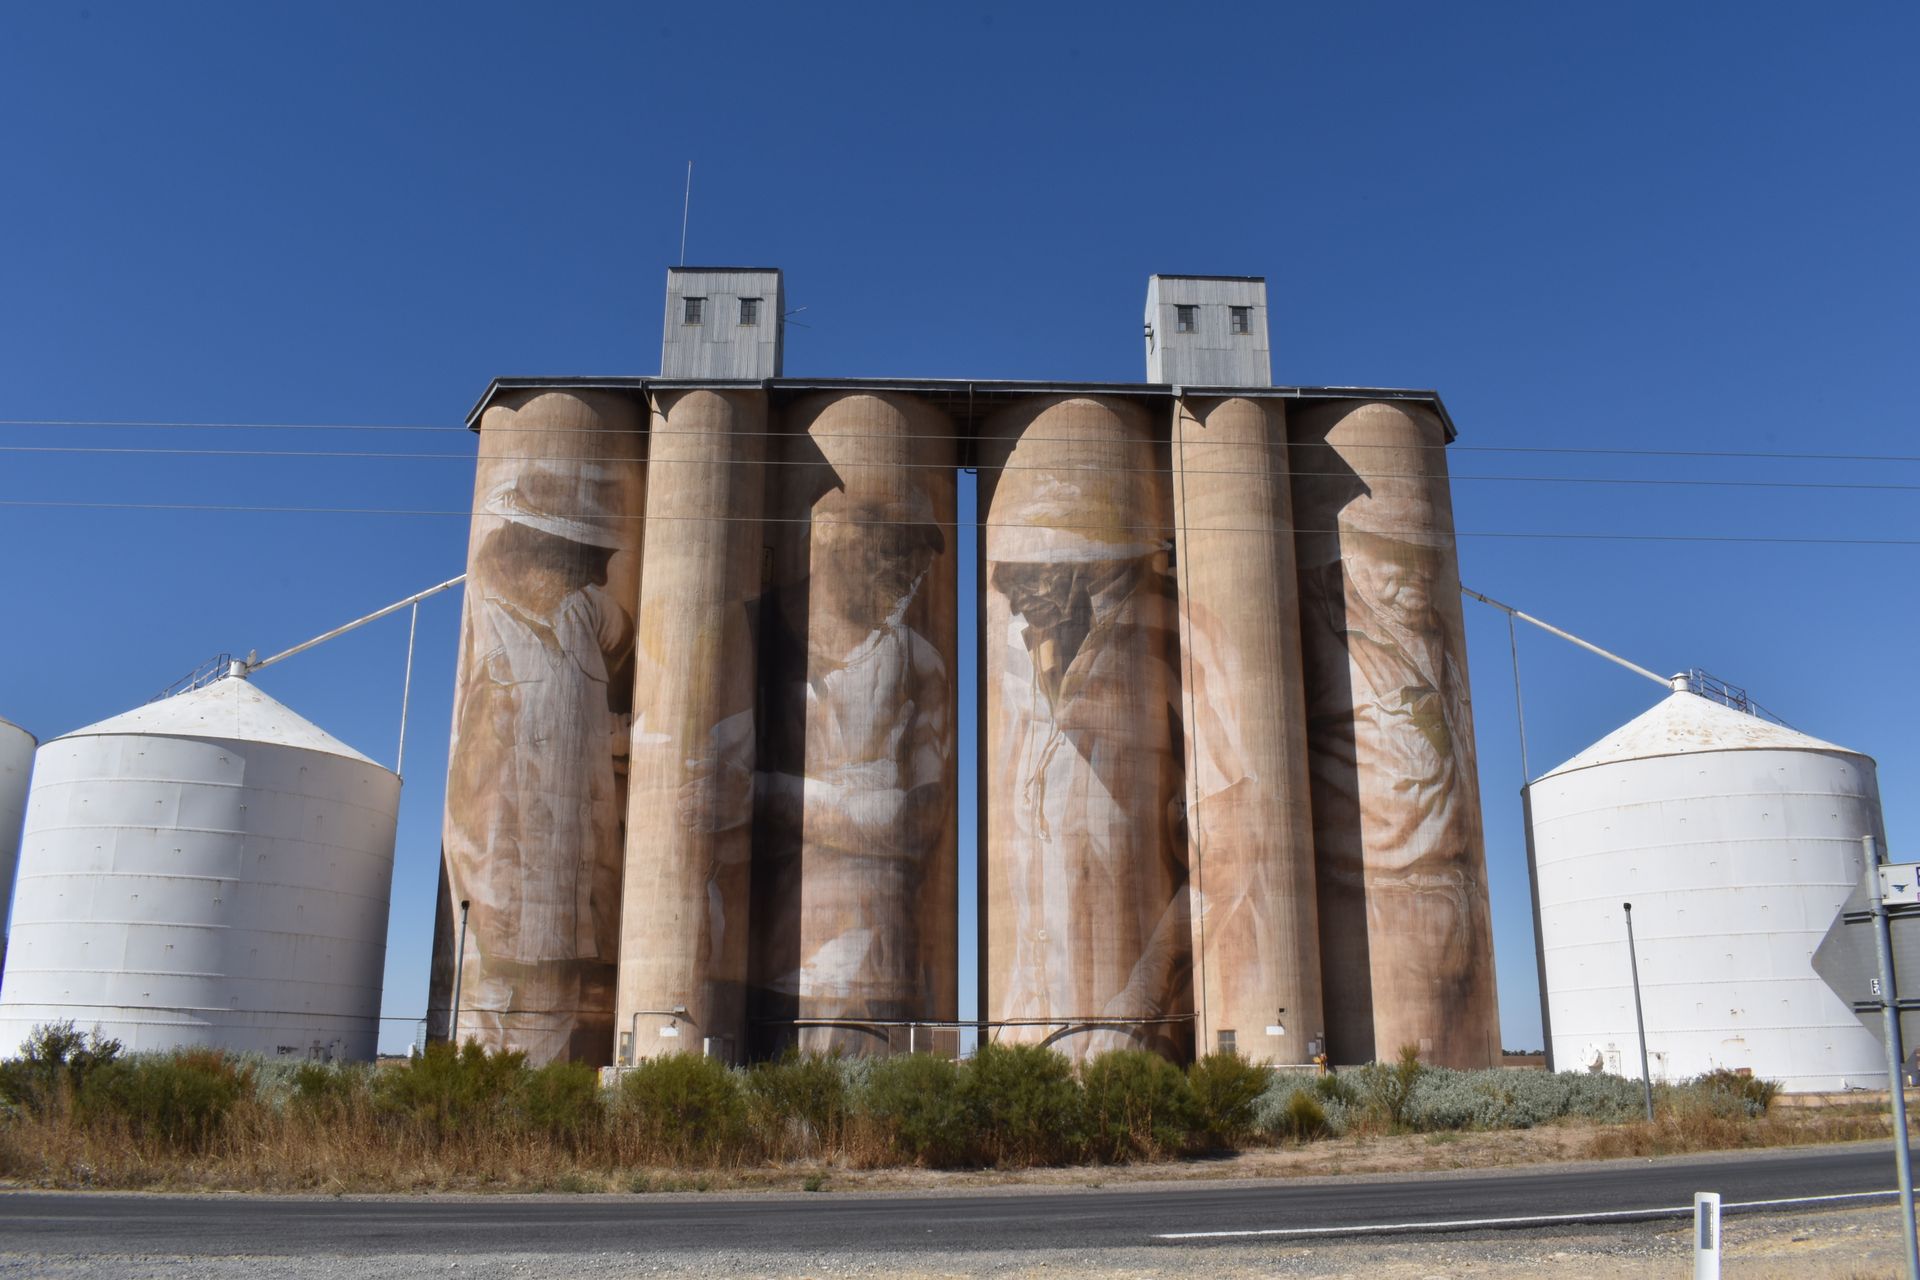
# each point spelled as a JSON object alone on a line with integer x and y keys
{"x": 210, "y": 869}
{"x": 16, "y": 766}
{"x": 1736, "y": 840}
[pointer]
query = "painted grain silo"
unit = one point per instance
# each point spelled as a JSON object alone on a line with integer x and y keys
{"x": 210, "y": 869}
{"x": 1736, "y": 840}
{"x": 1256, "y": 938}
{"x": 856, "y": 896}
{"x": 1088, "y": 940}
{"x": 1406, "y": 941}
{"x": 687, "y": 899}
{"x": 536, "y": 778}
{"x": 16, "y": 766}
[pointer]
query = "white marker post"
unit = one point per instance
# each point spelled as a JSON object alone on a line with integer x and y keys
{"x": 1706, "y": 1235}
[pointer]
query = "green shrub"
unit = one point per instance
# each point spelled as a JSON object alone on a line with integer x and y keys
{"x": 1024, "y": 1104}
{"x": 685, "y": 1106}
{"x": 326, "y": 1089}
{"x": 1727, "y": 1093}
{"x": 913, "y": 1103}
{"x": 1137, "y": 1105}
{"x": 562, "y": 1100}
{"x": 799, "y": 1098}
{"x": 1226, "y": 1091}
{"x": 1386, "y": 1089}
{"x": 180, "y": 1099}
{"x": 446, "y": 1092}
{"x": 1300, "y": 1119}
{"x": 53, "y": 1067}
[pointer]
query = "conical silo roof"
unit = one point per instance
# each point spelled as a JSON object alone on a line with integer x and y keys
{"x": 1686, "y": 723}
{"x": 231, "y": 708}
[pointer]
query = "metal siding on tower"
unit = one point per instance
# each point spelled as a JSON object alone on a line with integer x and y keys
{"x": 1736, "y": 841}
{"x": 536, "y": 789}
{"x": 1406, "y": 938}
{"x": 684, "y": 928}
{"x": 208, "y": 870}
{"x": 855, "y": 889}
{"x": 1255, "y": 920}
{"x": 1089, "y": 943}
{"x": 16, "y": 767}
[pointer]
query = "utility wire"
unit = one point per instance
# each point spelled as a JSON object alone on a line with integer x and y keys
{"x": 1161, "y": 531}
{"x": 115, "y": 424}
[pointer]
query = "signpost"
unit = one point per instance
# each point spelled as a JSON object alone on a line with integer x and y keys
{"x": 1887, "y": 892}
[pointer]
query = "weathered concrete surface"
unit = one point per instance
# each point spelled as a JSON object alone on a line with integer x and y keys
{"x": 1256, "y": 940}
{"x": 1085, "y": 862}
{"x": 856, "y": 894}
{"x": 684, "y": 925}
{"x": 535, "y": 779}
{"x": 1406, "y": 942}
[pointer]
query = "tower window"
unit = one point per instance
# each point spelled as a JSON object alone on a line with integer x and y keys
{"x": 749, "y": 311}
{"x": 1185, "y": 319}
{"x": 696, "y": 310}
{"x": 1242, "y": 319}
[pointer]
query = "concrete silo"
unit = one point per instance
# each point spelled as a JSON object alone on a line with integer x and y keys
{"x": 855, "y": 870}
{"x": 210, "y": 869}
{"x": 1736, "y": 840}
{"x": 1256, "y": 940}
{"x": 16, "y": 766}
{"x": 685, "y": 920}
{"x": 536, "y": 772}
{"x": 1405, "y": 938}
{"x": 1088, "y": 941}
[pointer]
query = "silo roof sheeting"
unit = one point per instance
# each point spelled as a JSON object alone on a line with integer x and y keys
{"x": 1686, "y": 724}
{"x": 231, "y": 709}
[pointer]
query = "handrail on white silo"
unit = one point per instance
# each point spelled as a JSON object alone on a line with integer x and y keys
{"x": 1665, "y": 682}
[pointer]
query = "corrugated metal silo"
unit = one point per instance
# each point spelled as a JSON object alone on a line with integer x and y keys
{"x": 855, "y": 873}
{"x": 685, "y": 906}
{"x": 1406, "y": 936}
{"x": 206, "y": 870}
{"x": 536, "y": 770}
{"x": 1085, "y": 868}
{"x": 1256, "y": 940}
{"x": 16, "y": 766}
{"x": 1736, "y": 840}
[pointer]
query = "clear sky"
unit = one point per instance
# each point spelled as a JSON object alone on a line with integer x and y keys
{"x": 1625, "y": 227}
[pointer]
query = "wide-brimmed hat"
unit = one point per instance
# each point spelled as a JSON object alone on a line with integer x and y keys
{"x": 580, "y": 503}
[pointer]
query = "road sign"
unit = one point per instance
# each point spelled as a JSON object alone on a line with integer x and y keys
{"x": 1846, "y": 960}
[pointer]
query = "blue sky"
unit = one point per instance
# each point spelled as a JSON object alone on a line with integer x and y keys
{"x": 1627, "y": 227}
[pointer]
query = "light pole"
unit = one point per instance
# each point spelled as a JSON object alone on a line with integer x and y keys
{"x": 1896, "y": 1082}
{"x": 1639, "y": 1018}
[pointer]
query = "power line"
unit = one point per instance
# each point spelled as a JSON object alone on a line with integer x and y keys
{"x": 1570, "y": 450}
{"x": 1151, "y": 530}
{"x": 1456, "y": 477}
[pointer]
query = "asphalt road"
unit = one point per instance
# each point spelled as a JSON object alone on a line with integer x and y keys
{"x": 274, "y": 1226}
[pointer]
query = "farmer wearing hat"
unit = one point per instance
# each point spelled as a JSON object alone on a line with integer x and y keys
{"x": 1396, "y": 805}
{"x": 541, "y": 726}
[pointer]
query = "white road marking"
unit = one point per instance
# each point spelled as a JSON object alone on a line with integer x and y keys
{"x": 1462, "y": 1224}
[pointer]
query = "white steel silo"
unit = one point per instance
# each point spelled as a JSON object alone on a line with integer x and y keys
{"x": 1736, "y": 840}
{"x": 206, "y": 870}
{"x": 16, "y": 766}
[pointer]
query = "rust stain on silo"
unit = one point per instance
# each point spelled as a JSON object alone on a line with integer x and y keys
{"x": 536, "y": 774}
{"x": 1406, "y": 940}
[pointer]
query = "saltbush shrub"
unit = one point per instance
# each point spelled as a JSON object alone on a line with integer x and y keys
{"x": 685, "y": 1107}
{"x": 179, "y": 1099}
{"x": 1226, "y": 1090}
{"x": 1025, "y": 1106}
{"x": 563, "y": 1101}
{"x": 1138, "y": 1106}
{"x": 54, "y": 1065}
{"x": 446, "y": 1092}
{"x": 913, "y": 1106}
{"x": 1727, "y": 1093}
{"x": 799, "y": 1101}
